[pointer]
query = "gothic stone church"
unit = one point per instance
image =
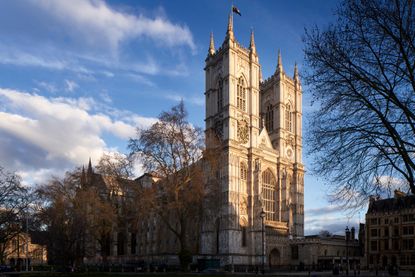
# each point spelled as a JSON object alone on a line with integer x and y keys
{"x": 259, "y": 125}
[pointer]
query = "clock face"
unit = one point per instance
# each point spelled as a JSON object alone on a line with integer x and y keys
{"x": 242, "y": 131}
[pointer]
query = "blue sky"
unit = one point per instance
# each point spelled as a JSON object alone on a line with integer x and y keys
{"x": 77, "y": 76}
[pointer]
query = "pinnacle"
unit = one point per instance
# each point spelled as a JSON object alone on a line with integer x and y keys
{"x": 252, "y": 42}
{"x": 211, "y": 45}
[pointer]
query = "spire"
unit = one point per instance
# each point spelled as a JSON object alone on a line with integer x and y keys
{"x": 89, "y": 171}
{"x": 211, "y": 45}
{"x": 229, "y": 32}
{"x": 252, "y": 42}
{"x": 279, "y": 65}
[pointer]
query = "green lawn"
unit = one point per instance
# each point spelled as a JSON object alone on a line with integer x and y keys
{"x": 108, "y": 274}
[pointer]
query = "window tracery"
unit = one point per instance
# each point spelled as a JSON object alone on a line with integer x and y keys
{"x": 268, "y": 194}
{"x": 241, "y": 95}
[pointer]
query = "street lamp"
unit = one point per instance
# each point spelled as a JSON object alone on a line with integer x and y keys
{"x": 347, "y": 249}
{"x": 262, "y": 215}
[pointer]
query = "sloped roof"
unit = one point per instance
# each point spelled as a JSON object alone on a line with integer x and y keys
{"x": 392, "y": 204}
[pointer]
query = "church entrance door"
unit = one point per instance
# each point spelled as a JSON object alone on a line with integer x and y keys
{"x": 274, "y": 258}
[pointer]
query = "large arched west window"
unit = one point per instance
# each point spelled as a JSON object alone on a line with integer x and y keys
{"x": 241, "y": 94}
{"x": 268, "y": 195}
{"x": 289, "y": 118}
{"x": 220, "y": 95}
{"x": 269, "y": 118}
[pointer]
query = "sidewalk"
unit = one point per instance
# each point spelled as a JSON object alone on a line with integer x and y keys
{"x": 330, "y": 273}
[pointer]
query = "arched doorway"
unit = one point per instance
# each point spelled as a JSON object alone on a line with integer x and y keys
{"x": 274, "y": 258}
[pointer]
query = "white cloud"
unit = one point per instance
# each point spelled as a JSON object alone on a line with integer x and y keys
{"x": 97, "y": 23}
{"x": 70, "y": 85}
{"x": 47, "y": 86}
{"x": 8, "y": 55}
{"x": 40, "y": 134}
{"x": 332, "y": 218}
{"x": 140, "y": 79}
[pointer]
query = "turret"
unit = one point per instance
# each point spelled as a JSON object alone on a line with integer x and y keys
{"x": 296, "y": 76}
{"x": 229, "y": 32}
{"x": 252, "y": 47}
{"x": 279, "y": 64}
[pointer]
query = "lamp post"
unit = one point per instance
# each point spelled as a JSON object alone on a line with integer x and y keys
{"x": 262, "y": 215}
{"x": 347, "y": 249}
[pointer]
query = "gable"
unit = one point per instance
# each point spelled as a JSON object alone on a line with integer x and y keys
{"x": 264, "y": 140}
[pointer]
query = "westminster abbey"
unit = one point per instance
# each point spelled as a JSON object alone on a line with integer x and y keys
{"x": 260, "y": 215}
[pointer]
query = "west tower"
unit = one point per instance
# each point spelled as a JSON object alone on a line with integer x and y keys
{"x": 258, "y": 127}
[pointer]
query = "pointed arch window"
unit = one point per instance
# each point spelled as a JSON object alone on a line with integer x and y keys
{"x": 220, "y": 95}
{"x": 289, "y": 118}
{"x": 241, "y": 94}
{"x": 269, "y": 118}
{"x": 269, "y": 195}
{"x": 244, "y": 171}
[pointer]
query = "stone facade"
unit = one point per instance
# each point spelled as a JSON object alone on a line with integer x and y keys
{"x": 325, "y": 252}
{"x": 390, "y": 232}
{"x": 258, "y": 125}
{"x": 21, "y": 252}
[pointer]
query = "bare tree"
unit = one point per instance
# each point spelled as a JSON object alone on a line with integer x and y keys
{"x": 115, "y": 164}
{"x": 14, "y": 201}
{"x": 75, "y": 216}
{"x": 172, "y": 149}
{"x": 362, "y": 74}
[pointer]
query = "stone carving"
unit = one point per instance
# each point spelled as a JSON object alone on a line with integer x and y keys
{"x": 219, "y": 129}
{"x": 242, "y": 131}
{"x": 243, "y": 209}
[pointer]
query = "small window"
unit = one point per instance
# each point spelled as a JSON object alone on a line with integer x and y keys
{"x": 220, "y": 95}
{"x": 386, "y": 231}
{"x": 374, "y": 245}
{"x": 269, "y": 118}
{"x": 294, "y": 252}
{"x": 386, "y": 244}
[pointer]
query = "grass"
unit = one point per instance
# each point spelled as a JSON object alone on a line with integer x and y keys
{"x": 109, "y": 274}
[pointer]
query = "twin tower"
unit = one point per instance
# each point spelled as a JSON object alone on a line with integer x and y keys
{"x": 258, "y": 126}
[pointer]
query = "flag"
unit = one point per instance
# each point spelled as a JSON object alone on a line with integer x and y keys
{"x": 236, "y": 10}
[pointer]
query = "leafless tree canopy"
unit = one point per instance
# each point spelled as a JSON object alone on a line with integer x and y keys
{"x": 361, "y": 71}
{"x": 115, "y": 164}
{"x": 14, "y": 201}
{"x": 172, "y": 149}
{"x": 74, "y": 218}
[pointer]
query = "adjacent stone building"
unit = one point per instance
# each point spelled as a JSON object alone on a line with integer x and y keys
{"x": 21, "y": 252}
{"x": 324, "y": 252}
{"x": 390, "y": 232}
